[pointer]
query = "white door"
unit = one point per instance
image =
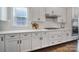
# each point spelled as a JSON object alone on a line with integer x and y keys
{"x": 3, "y": 13}
{"x": 36, "y": 41}
{"x": 12, "y": 45}
{"x": 52, "y": 38}
{"x": 25, "y": 42}
{"x": 75, "y": 12}
{"x": 45, "y": 41}
{"x": 1, "y": 43}
{"x": 38, "y": 13}
{"x": 25, "y": 45}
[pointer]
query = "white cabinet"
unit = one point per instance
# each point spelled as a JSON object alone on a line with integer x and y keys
{"x": 18, "y": 42}
{"x": 3, "y": 13}
{"x": 75, "y": 12}
{"x": 12, "y": 46}
{"x": 12, "y": 42}
{"x": 36, "y": 40}
{"x": 32, "y": 40}
{"x": 57, "y": 37}
{"x": 45, "y": 39}
{"x": 38, "y": 14}
{"x": 59, "y": 11}
{"x": 52, "y": 38}
{"x": 25, "y": 42}
{"x": 1, "y": 43}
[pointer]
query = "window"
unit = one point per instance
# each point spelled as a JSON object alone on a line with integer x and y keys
{"x": 20, "y": 16}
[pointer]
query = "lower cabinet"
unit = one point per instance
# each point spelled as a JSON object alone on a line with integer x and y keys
{"x": 25, "y": 45}
{"x": 25, "y": 42}
{"x": 45, "y": 39}
{"x": 52, "y": 38}
{"x": 29, "y": 41}
{"x": 12, "y": 42}
{"x": 36, "y": 41}
{"x": 17, "y": 44}
{"x": 12, "y": 45}
{"x": 1, "y": 43}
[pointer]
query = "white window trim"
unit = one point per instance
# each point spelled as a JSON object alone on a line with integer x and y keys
{"x": 13, "y": 21}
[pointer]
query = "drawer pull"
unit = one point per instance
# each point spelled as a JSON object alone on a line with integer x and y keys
{"x": 67, "y": 34}
{"x": 12, "y": 36}
{"x": 59, "y": 41}
{"x": 25, "y": 35}
{"x": 1, "y": 38}
{"x": 41, "y": 38}
{"x": 52, "y": 42}
{"x": 18, "y": 42}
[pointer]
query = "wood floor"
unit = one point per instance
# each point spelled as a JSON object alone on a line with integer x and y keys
{"x": 65, "y": 47}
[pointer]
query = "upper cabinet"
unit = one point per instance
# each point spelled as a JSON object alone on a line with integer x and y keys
{"x": 37, "y": 13}
{"x": 75, "y": 12}
{"x": 3, "y": 13}
{"x": 56, "y": 12}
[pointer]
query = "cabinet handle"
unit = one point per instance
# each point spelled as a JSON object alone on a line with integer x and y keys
{"x": 38, "y": 18}
{"x": 12, "y": 36}
{"x": 67, "y": 34}
{"x": 52, "y": 42}
{"x": 25, "y": 35}
{"x": 41, "y": 38}
{"x": 59, "y": 41}
{"x": 1, "y": 38}
{"x": 18, "y": 42}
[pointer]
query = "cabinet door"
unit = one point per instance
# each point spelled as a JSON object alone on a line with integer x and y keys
{"x": 45, "y": 41}
{"x": 3, "y": 13}
{"x": 25, "y": 42}
{"x": 38, "y": 14}
{"x": 12, "y": 45}
{"x": 52, "y": 38}
{"x": 75, "y": 12}
{"x": 36, "y": 41}
{"x": 25, "y": 45}
{"x": 1, "y": 43}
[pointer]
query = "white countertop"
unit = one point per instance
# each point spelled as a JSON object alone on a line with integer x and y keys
{"x": 20, "y": 31}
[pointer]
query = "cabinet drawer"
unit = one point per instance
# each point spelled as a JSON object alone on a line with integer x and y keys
{"x": 37, "y": 34}
{"x": 12, "y": 36}
{"x": 24, "y": 35}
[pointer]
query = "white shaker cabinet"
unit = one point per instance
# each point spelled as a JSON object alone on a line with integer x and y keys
{"x": 36, "y": 40}
{"x": 12, "y": 43}
{"x": 75, "y": 12}
{"x": 45, "y": 41}
{"x": 59, "y": 11}
{"x": 25, "y": 42}
{"x": 12, "y": 46}
{"x": 3, "y": 13}
{"x": 52, "y": 38}
{"x": 38, "y": 13}
{"x": 1, "y": 43}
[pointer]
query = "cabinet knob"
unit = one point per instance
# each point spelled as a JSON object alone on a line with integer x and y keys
{"x": 52, "y": 42}
{"x": 2, "y": 39}
{"x": 59, "y": 41}
{"x": 18, "y": 42}
{"x": 12, "y": 36}
{"x": 41, "y": 38}
{"x": 67, "y": 34}
{"x": 38, "y": 18}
